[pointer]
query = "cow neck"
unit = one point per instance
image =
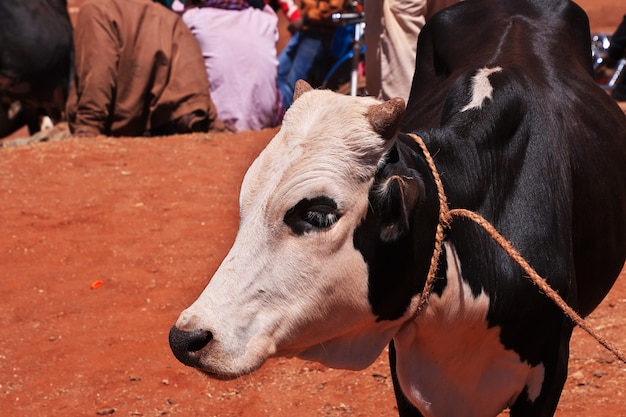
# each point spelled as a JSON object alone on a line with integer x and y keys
{"x": 445, "y": 219}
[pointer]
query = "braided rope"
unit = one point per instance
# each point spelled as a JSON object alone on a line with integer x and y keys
{"x": 445, "y": 218}
{"x": 444, "y": 223}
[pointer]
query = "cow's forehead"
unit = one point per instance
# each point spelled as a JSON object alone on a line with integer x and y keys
{"x": 326, "y": 143}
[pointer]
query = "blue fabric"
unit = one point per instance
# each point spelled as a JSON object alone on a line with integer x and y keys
{"x": 166, "y": 3}
{"x": 305, "y": 53}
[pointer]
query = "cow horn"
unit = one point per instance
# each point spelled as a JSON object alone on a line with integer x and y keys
{"x": 301, "y": 88}
{"x": 385, "y": 117}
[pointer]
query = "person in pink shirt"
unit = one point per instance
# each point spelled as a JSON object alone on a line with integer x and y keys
{"x": 238, "y": 43}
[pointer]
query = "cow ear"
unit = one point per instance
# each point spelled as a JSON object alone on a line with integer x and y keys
{"x": 301, "y": 88}
{"x": 394, "y": 199}
{"x": 385, "y": 118}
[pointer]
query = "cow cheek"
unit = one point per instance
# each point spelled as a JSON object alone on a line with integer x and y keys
{"x": 337, "y": 327}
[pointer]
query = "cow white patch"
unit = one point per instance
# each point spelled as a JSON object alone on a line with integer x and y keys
{"x": 46, "y": 123}
{"x": 450, "y": 352}
{"x": 481, "y": 88}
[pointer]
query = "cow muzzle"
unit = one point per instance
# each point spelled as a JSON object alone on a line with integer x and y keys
{"x": 201, "y": 349}
{"x": 186, "y": 346}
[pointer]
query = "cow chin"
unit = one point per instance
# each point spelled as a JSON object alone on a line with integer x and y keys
{"x": 338, "y": 354}
{"x": 221, "y": 365}
{"x": 352, "y": 351}
{"x": 223, "y": 374}
{"x": 354, "y": 347}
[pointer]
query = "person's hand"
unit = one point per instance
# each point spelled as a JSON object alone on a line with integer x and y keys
{"x": 295, "y": 25}
{"x": 219, "y": 126}
{"x": 85, "y": 131}
{"x": 604, "y": 72}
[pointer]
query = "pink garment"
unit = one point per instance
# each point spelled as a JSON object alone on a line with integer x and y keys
{"x": 239, "y": 49}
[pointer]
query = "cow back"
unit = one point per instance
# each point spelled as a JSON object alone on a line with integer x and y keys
{"x": 549, "y": 136}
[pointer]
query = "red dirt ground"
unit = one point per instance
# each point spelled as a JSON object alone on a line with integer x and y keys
{"x": 152, "y": 219}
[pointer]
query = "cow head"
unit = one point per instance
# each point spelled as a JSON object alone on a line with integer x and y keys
{"x": 294, "y": 282}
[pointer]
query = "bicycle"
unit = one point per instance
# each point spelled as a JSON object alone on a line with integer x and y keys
{"x": 605, "y": 78}
{"x": 347, "y": 74}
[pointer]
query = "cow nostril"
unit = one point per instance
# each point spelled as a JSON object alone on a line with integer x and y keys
{"x": 184, "y": 344}
{"x": 199, "y": 339}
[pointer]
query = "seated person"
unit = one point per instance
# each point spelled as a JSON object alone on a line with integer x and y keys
{"x": 238, "y": 42}
{"x": 139, "y": 71}
{"x": 310, "y": 48}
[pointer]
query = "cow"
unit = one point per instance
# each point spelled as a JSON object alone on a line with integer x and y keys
{"x": 339, "y": 217}
{"x": 36, "y": 61}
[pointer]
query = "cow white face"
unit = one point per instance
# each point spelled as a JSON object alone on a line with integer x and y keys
{"x": 293, "y": 284}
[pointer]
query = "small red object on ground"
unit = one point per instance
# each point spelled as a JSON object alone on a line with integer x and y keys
{"x": 96, "y": 284}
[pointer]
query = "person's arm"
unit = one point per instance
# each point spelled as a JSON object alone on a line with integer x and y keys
{"x": 292, "y": 13}
{"x": 319, "y": 12}
{"x": 97, "y": 54}
{"x": 290, "y": 9}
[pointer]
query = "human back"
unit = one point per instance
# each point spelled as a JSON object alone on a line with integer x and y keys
{"x": 239, "y": 50}
{"x": 138, "y": 69}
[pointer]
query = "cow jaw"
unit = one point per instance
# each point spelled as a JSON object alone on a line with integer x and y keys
{"x": 293, "y": 284}
{"x": 301, "y": 312}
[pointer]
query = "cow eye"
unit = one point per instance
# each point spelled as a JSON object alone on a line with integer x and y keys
{"x": 316, "y": 213}
{"x": 320, "y": 216}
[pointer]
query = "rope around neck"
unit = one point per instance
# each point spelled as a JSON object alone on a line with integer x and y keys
{"x": 445, "y": 219}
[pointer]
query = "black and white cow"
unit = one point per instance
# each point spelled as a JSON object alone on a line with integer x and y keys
{"x": 36, "y": 60}
{"x": 339, "y": 212}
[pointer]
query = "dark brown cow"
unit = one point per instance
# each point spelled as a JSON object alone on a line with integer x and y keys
{"x": 35, "y": 62}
